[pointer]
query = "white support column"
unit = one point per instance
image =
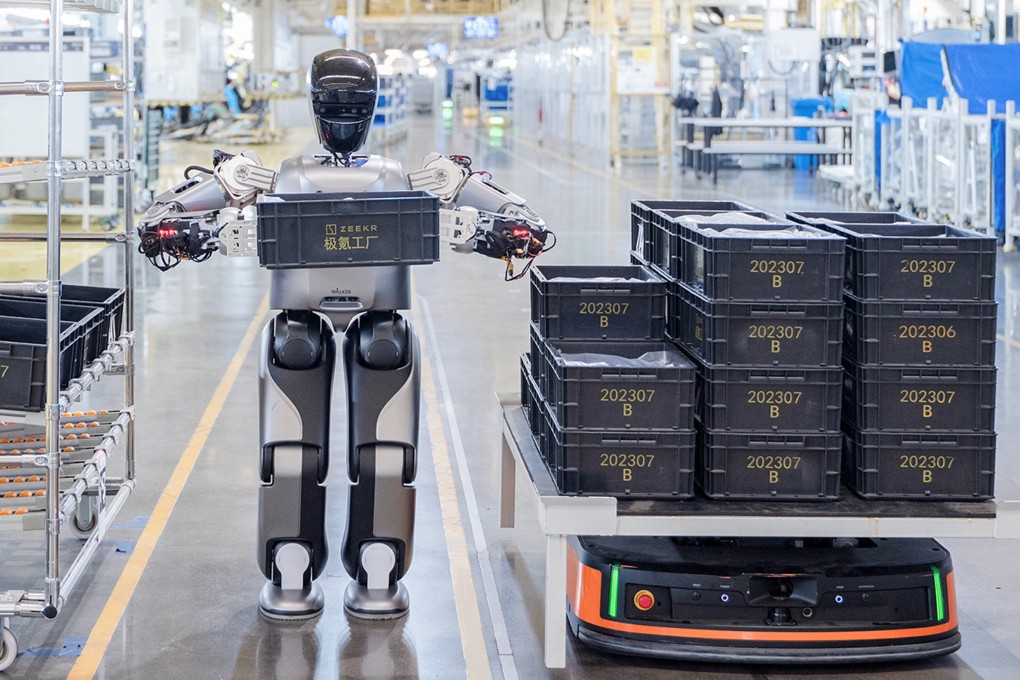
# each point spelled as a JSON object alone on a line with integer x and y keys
{"x": 555, "y": 601}
{"x": 904, "y": 30}
{"x": 881, "y": 27}
{"x": 352, "y": 25}
{"x": 1000, "y": 21}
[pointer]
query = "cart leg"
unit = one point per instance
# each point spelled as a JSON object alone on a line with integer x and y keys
{"x": 555, "y": 601}
{"x": 8, "y": 645}
{"x": 507, "y": 486}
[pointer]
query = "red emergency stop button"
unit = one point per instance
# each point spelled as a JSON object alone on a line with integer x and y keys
{"x": 644, "y": 600}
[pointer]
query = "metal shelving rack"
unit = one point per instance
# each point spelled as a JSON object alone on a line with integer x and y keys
{"x": 88, "y": 497}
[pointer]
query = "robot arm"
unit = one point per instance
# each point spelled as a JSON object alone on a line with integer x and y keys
{"x": 185, "y": 222}
{"x": 480, "y": 216}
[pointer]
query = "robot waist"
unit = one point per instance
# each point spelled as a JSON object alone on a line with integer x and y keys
{"x": 341, "y": 293}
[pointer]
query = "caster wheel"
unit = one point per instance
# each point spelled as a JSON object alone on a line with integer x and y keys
{"x": 83, "y": 528}
{"x": 8, "y": 650}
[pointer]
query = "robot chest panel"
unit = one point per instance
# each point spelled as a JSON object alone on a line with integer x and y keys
{"x": 308, "y": 174}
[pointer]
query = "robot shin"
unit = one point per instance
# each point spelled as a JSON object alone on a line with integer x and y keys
{"x": 298, "y": 357}
{"x": 381, "y": 361}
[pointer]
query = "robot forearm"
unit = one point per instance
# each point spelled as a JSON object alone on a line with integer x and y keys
{"x": 184, "y": 222}
{"x": 479, "y": 215}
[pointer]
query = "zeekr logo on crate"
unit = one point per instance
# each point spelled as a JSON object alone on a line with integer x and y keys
{"x": 349, "y": 236}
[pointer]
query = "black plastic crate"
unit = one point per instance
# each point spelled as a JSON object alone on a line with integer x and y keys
{"x": 924, "y": 466}
{"x": 641, "y": 240}
{"x": 769, "y": 466}
{"x": 653, "y": 396}
{"x": 914, "y": 261}
{"x": 90, "y": 320}
{"x": 918, "y": 398}
{"x": 630, "y": 464}
{"x": 666, "y": 224}
{"x": 110, "y": 300}
{"x": 790, "y": 334}
{"x": 922, "y": 333}
{"x": 749, "y": 267}
{"x": 23, "y": 360}
{"x": 348, "y": 229}
{"x": 769, "y": 399}
{"x": 585, "y": 302}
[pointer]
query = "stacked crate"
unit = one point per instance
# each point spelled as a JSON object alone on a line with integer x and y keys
{"x": 610, "y": 403}
{"x": 919, "y": 396}
{"x": 758, "y": 306}
{"x": 90, "y": 319}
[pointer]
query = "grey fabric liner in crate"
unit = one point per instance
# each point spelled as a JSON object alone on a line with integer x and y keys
{"x": 647, "y": 360}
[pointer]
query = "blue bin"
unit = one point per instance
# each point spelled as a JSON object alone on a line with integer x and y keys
{"x": 808, "y": 107}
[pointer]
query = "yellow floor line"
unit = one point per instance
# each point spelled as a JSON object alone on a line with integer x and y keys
{"x": 102, "y": 633}
{"x": 464, "y": 593}
{"x": 1008, "y": 340}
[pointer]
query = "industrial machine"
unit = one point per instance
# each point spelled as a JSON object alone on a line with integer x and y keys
{"x": 752, "y": 600}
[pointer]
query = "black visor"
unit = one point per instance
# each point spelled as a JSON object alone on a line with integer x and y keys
{"x": 342, "y": 89}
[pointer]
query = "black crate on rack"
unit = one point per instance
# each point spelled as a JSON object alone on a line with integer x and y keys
{"x": 89, "y": 319}
{"x": 916, "y": 261}
{"x": 585, "y": 302}
{"x": 920, "y": 333}
{"x": 919, "y": 398}
{"x": 769, "y": 466}
{"x": 589, "y": 394}
{"x": 109, "y": 300}
{"x": 666, "y": 225}
{"x": 626, "y": 464}
{"x": 769, "y": 399}
{"x": 923, "y": 466}
{"x": 641, "y": 214}
{"x": 757, "y": 333}
{"x": 23, "y": 360}
{"x": 806, "y": 265}
{"x": 348, "y": 229}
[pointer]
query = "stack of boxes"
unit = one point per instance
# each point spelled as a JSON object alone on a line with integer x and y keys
{"x": 609, "y": 402}
{"x": 859, "y": 343}
{"x": 919, "y": 396}
{"x": 758, "y": 305}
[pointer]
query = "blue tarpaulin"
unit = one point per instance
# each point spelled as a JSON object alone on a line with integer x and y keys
{"x": 981, "y": 73}
{"x": 921, "y": 72}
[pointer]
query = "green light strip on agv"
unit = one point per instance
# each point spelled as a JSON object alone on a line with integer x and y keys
{"x": 614, "y": 589}
{"x": 940, "y": 606}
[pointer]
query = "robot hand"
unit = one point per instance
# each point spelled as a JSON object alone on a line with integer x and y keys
{"x": 493, "y": 235}
{"x": 184, "y": 222}
{"x": 481, "y": 216}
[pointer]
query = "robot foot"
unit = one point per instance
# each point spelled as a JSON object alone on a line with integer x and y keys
{"x": 277, "y": 604}
{"x": 363, "y": 602}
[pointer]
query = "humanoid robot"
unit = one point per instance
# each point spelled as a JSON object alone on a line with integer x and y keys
{"x": 210, "y": 211}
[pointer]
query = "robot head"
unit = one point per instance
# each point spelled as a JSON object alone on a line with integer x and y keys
{"x": 342, "y": 88}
